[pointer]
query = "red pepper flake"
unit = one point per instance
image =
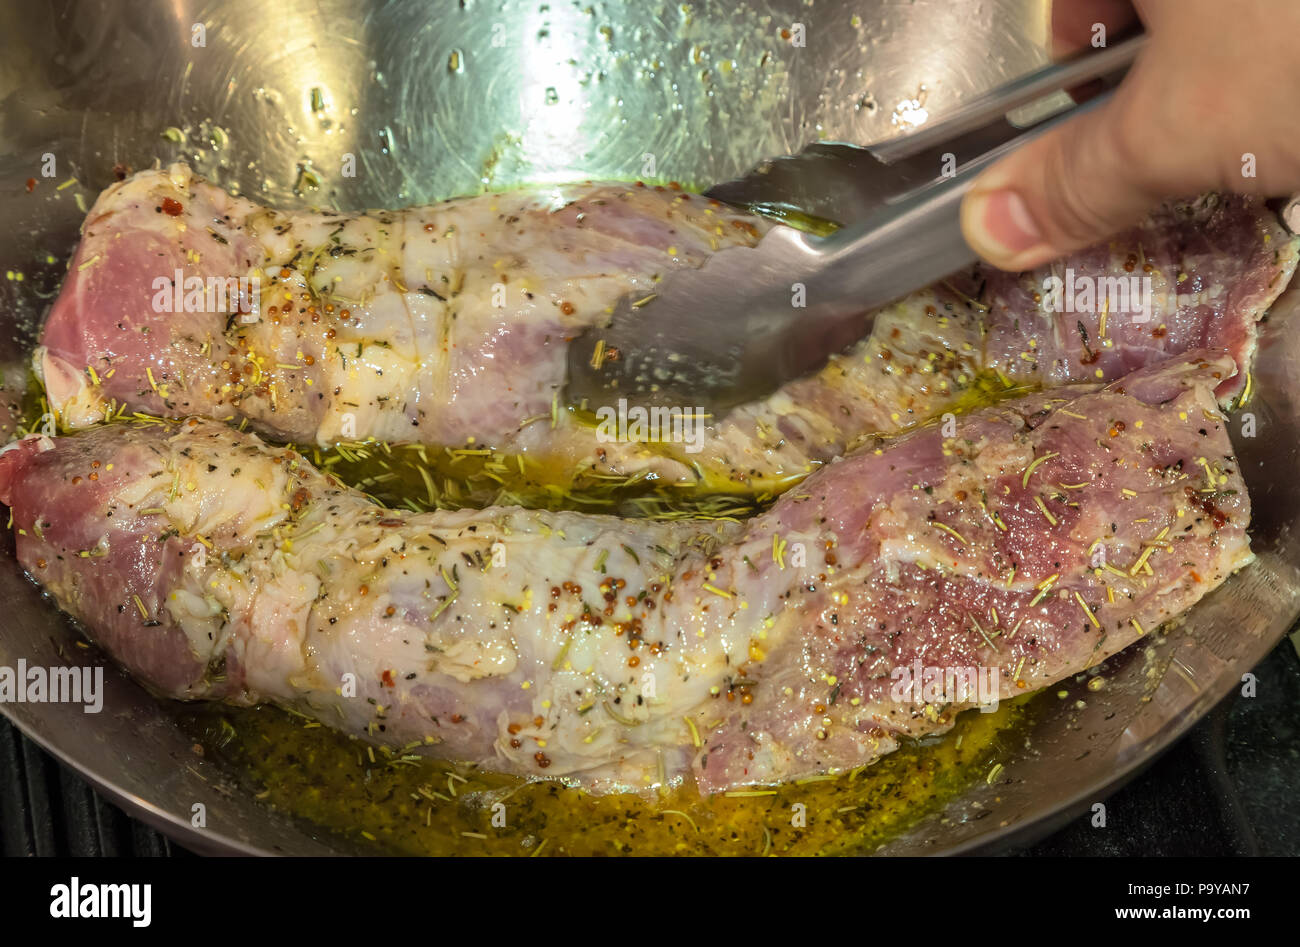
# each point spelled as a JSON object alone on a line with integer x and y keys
{"x": 1216, "y": 515}
{"x": 387, "y": 678}
{"x": 31, "y": 185}
{"x": 172, "y": 208}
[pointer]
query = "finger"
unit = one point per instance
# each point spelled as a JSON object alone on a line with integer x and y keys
{"x": 1069, "y": 189}
{"x": 1074, "y": 22}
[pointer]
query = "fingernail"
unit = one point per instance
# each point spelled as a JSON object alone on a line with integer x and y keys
{"x": 999, "y": 225}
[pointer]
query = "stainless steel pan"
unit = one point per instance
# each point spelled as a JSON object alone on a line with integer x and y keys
{"x": 433, "y": 99}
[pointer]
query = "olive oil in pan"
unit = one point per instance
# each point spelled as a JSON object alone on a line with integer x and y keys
{"x": 410, "y": 805}
{"x": 418, "y": 477}
{"x": 421, "y": 477}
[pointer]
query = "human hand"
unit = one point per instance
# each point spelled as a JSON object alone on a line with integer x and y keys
{"x": 1212, "y": 103}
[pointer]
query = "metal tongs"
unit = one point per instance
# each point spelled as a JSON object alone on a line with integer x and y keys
{"x": 731, "y": 332}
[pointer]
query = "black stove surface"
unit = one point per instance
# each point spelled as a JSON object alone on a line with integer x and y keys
{"x": 1226, "y": 789}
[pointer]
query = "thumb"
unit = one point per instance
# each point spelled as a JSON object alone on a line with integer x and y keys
{"x": 1069, "y": 189}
